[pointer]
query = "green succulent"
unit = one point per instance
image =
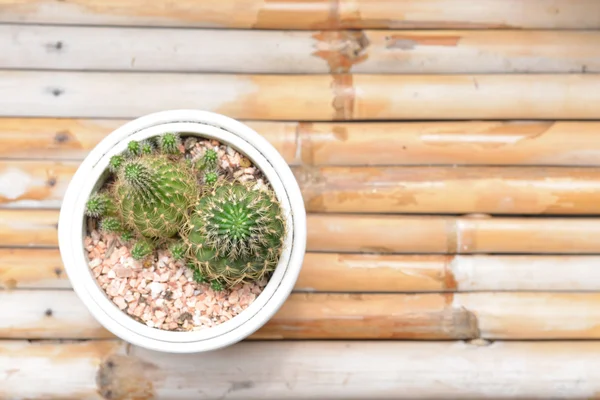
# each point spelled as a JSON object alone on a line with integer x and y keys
{"x": 236, "y": 234}
{"x": 134, "y": 148}
{"x": 141, "y": 250}
{"x": 209, "y": 161}
{"x": 115, "y": 163}
{"x": 99, "y": 205}
{"x": 111, "y": 225}
{"x": 178, "y": 250}
{"x": 210, "y": 178}
{"x": 147, "y": 147}
{"x": 168, "y": 143}
{"x": 216, "y": 286}
{"x": 154, "y": 195}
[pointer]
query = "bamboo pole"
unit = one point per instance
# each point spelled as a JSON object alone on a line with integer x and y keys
{"x": 382, "y": 233}
{"x": 34, "y": 228}
{"x": 72, "y": 139}
{"x": 316, "y": 14}
{"x": 32, "y": 269}
{"x": 347, "y": 369}
{"x": 308, "y": 52}
{"x": 495, "y": 190}
{"x": 301, "y": 97}
{"x": 347, "y": 144}
{"x": 53, "y": 314}
{"x": 379, "y": 273}
{"x": 414, "y": 189}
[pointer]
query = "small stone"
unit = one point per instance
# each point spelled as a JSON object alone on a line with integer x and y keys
{"x": 112, "y": 274}
{"x": 245, "y": 162}
{"x": 249, "y": 171}
{"x": 150, "y": 323}
{"x": 120, "y": 302}
{"x": 123, "y": 272}
{"x": 234, "y": 297}
{"x": 160, "y": 314}
{"x": 95, "y": 262}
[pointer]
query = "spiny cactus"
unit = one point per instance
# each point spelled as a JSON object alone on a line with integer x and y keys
{"x": 178, "y": 250}
{"x": 168, "y": 143}
{"x": 147, "y": 147}
{"x": 209, "y": 161}
{"x": 126, "y": 236}
{"x": 240, "y": 222}
{"x": 154, "y": 195}
{"x": 216, "y": 286}
{"x": 236, "y": 234}
{"x": 134, "y": 148}
{"x": 141, "y": 250}
{"x": 111, "y": 225}
{"x": 115, "y": 163}
{"x": 210, "y": 178}
{"x": 99, "y": 205}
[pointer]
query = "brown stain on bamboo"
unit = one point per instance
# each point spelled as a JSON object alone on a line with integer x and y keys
{"x": 342, "y": 86}
{"x": 450, "y": 283}
{"x": 125, "y": 377}
{"x": 341, "y": 49}
{"x": 409, "y": 42}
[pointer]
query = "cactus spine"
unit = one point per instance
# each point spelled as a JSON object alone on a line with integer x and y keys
{"x": 236, "y": 234}
{"x": 154, "y": 194}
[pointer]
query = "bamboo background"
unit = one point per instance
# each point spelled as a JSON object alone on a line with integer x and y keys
{"x": 448, "y": 160}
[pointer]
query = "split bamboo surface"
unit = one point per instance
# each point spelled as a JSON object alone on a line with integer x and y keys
{"x": 547, "y": 143}
{"x": 408, "y": 189}
{"x": 306, "y": 97}
{"x": 41, "y": 268}
{"x": 314, "y": 14}
{"x": 298, "y": 52}
{"x": 58, "y": 314}
{"x": 304, "y": 370}
{"x": 382, "y": 234}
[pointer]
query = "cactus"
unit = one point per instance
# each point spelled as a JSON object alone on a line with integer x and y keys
{"x": 141, "y": 250}
{"x": 147, "y": 147}
{"x": 209, "y": 161}
{"x": 178, "y": 250}
{"x": 216, "y": 286}
{"x": 126, "y": 236}
{"x": 134, "y": 148}
{"x": 111, "y": 225}
{"x": 168, "y": 143}
{"x": 154, "y": 195}
{"x": 210, "y": 178}
{"x": 115, "y": 163}
{"x": 99, "y": 205}
{"x": 236, "y": 234}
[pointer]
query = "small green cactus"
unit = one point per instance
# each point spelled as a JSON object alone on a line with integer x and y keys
{"x": 154, "y": 195}
{"x": 115, "y": 163}
{"x": 141, "y": 250}
{"x": 127, "y": 236}
{"x": 168, "y": 143}
{"x": 216, "y": 286}
{"x": 178, "y": 250}
{"x": 134, "y": 148}
{"x": 236, "y": 234}
{"x": 99, "y": 205}
{"x": 210, "y": 178}
{"x": 147, "y": 147}
{"x": 111, "y": 225}
{"x": 209, "y": 161}
{"x": 198, "y": 276}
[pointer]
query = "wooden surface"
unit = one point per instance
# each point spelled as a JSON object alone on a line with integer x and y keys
{"x": 448, "y": 157}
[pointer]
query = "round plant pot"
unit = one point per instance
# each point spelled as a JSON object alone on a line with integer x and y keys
{"x": 91, "y": 175}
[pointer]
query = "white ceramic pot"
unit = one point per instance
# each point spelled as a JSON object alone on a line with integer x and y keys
{"x": 90, "y": 176}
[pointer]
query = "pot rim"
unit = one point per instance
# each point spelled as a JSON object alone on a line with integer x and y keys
{"x": 90, "y": 176}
